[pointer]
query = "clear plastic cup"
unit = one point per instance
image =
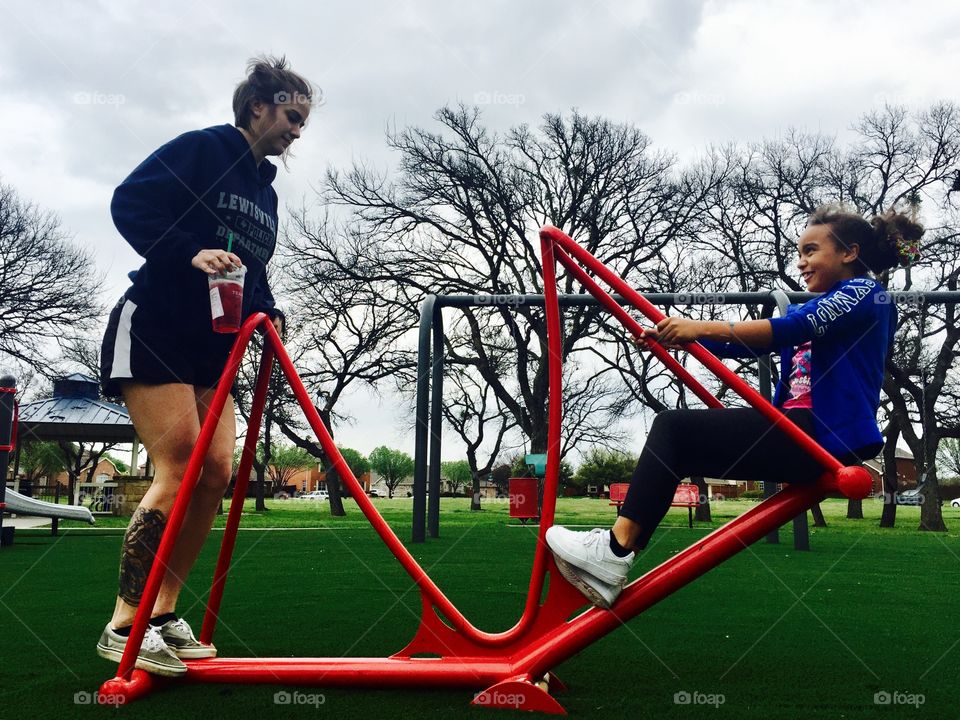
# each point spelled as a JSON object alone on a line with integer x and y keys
{"x": 226, "y": 299}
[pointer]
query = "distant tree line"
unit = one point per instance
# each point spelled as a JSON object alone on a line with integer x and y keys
{"x": 460, "y": 214}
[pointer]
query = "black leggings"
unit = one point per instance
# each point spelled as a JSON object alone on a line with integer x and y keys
{"x": 722, "y": 443}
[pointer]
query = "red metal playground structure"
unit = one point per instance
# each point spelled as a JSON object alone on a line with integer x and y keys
{"x": 510, "y": 669}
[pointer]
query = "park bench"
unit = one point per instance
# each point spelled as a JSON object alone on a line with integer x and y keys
{"x": 687, "y": 495}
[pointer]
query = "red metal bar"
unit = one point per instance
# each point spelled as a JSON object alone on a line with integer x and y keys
{"x": 184, "y": 492}
{"x": 239, "y": 495}
{"x": 708, "y": 359}
{"x": 429, "y": 589}
{"x": 357, "y": 672}
{"x": 509, "y": 661}
{"x": 616, "y": 309}
{"x": 554, "y": 412}
{"x": 665, "y": 579}
{"x": 570, "y": 638}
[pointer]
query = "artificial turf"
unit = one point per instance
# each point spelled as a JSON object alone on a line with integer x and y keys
{"x": 774, "y": 633}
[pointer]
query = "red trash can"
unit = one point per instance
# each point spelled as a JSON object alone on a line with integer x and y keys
{"x": 523, "y": 499}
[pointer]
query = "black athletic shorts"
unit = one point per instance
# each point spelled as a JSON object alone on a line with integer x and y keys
{"x": 136, "y": 347}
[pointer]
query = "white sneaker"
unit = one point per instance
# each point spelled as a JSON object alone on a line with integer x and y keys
{"x": 180, "y": 639}
{"x": 596, "y": 591}
{"x": 590, "y": 551}
{"x": 154, "y": 656}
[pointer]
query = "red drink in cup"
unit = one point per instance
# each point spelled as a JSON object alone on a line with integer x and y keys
{"x": 226, "y": 299}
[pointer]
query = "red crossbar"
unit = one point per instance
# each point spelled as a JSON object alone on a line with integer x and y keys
{"x": 509, "y": 664}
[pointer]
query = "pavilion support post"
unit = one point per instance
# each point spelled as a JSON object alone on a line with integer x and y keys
{"x": 135, "y": 456}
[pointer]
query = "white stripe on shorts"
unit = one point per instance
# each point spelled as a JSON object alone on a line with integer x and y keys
{"x": 121, "y": 345}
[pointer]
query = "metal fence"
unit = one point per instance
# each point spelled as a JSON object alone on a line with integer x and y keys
{"x": 100, "y": 497}
{"x": 430, "y": 364}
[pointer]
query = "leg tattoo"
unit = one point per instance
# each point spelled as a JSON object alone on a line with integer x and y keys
{"x": 140, "y": 545}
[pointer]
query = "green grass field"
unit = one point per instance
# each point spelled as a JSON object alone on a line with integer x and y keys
{"x": 776, "y": 633}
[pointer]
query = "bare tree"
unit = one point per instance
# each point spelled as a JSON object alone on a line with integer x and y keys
{"x": 900, "y": 160}
{"x": 922, "y": 367}
{"x": 48, "y": 285}
{"x": 891, "y": 482}
{"x": 461, "y": 213}
{"x": 460, "y": 218}
{"x": 895, "y": 159}
{"x": 80, "y": 462}
{"x": 285, "y": 462}
{"x": 474, "y": 412}
{"x": 347, "y": 335}
{"x": 279, "y": 409}
{"x": 949, "y": 456}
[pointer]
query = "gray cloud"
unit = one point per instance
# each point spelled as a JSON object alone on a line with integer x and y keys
{"x": 89, "y": 89}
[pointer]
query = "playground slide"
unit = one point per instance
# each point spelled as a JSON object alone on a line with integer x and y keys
{"x": 22, "y": 505}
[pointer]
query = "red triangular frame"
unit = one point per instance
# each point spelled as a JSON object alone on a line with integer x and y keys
{"x": 514, "y": 666}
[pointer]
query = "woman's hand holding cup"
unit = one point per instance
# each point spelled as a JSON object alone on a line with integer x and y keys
{"x": 216, "y": 261}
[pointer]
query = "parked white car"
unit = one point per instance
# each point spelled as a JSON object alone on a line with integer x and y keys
{"x": 373, "y": 492}
{"x": 315, "y": 495}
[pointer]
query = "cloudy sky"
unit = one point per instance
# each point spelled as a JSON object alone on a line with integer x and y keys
{"x": 90, "y": 88}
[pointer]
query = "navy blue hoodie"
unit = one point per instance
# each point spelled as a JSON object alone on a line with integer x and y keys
{"x": 185, "y": 198}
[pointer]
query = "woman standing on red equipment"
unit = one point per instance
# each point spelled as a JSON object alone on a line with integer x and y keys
{"x": 832, "y": 355}
{"x": 200, "y": 205}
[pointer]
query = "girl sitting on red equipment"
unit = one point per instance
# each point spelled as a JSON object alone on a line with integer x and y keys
{"x": 832, "y": 349}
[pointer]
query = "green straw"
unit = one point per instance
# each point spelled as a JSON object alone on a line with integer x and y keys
{"x": 229, "y": 242}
